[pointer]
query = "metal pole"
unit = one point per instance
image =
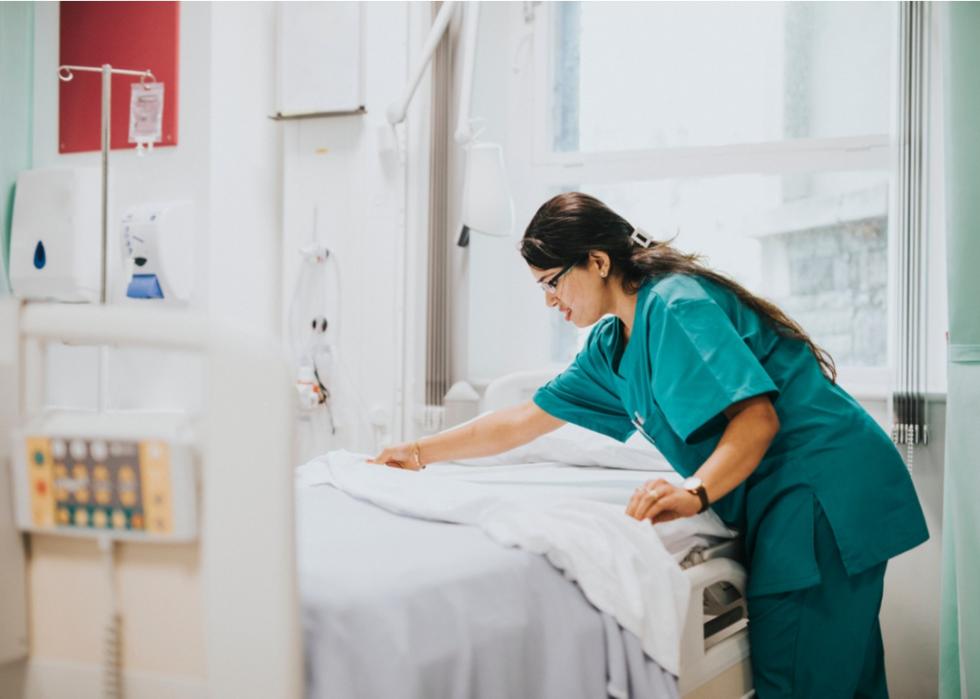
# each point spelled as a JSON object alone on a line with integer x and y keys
{"x": 65, "y": 74}
{"x": 103, "y": 390}
{"x": 106, "y": 135}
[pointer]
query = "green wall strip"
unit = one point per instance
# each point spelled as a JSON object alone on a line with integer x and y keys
{"x": 16, "y": 112}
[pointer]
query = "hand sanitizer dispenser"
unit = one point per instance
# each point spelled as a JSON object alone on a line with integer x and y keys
{"x": 158, "y": 246}
{"x": 55, "y": 242}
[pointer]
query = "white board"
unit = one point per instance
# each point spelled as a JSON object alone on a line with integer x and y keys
{"x": 320, "y": 50}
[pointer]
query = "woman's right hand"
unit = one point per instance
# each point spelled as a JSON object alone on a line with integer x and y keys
{"x": 398, "y": 456}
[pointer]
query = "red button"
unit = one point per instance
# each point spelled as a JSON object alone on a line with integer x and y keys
{"x": 42, "y": 487}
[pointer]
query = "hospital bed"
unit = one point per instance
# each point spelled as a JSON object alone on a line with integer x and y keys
{"x": 417, "y": 607}
{"x": 395, "y": 605}
{"x": 453, "y": 613}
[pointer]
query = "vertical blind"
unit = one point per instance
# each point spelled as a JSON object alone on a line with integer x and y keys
{"x": 910, "y": 426}
{"x": 438, "y": 343}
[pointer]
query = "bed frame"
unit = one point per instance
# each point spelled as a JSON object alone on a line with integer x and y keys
{"x": 246, "y": 594}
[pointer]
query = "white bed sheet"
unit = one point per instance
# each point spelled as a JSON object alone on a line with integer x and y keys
{"x": 400, "y": 607}
{"x": 544, "y": 485}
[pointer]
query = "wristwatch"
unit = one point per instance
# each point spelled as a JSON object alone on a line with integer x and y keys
{"x": 694, "y": 486}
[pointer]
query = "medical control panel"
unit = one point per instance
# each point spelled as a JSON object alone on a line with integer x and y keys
{"x": 89, "y": 485}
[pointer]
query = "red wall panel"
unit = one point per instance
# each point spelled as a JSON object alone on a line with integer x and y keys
{"x": 128, "y": 35}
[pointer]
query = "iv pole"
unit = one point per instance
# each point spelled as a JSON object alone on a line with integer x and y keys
{"x": 66, "y": 74}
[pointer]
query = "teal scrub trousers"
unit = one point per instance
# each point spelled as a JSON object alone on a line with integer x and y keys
{"x": 822, "y": 641}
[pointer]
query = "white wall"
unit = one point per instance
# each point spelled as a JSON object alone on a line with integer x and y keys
{"x": 350, "y": 170}
{"x": 244, "y": 174}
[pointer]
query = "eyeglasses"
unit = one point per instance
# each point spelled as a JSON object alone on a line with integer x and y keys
{"x": 550, "y": 286}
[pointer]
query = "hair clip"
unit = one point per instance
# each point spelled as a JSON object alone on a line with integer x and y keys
{"x": 641, "y": 238}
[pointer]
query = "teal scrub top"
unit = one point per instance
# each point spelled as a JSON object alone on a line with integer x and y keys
{"x": 695, "y": 350}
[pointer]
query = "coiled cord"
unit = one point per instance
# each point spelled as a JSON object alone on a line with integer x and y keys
{"x": 112, "y": 687}
{"x": 111, "y": 658}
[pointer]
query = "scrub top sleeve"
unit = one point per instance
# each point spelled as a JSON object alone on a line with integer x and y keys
{"x": 701, "y": 366}
{"x": 583, "y": 395}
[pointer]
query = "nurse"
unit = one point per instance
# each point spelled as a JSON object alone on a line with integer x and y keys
{"x": 745, "y": 406}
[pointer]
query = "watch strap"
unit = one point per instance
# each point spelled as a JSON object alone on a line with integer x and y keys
{"x": 702, "y": 494}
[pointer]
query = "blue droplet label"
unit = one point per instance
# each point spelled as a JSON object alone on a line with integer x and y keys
{"x": 40, "y": 258}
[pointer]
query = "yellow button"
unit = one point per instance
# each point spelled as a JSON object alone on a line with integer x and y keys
{"x": 60, "y": 471}
{"x": 127, "y": 474}
{"x": 118, "y": 519}
{"x": 100, "y": 472}
{"x": 103, "y": 496}
{"x": 82, "y": 495}
{"x": 60, "y": 493}
{"x": 63, "y": 515}
{"x": 127, "y": 498}
{"x": 79, "y": 473}
{"x": 81, "y": 517}
{"x": 99, "y": 519}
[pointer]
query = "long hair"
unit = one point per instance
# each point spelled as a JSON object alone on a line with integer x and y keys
{"x": 569, "y": 226}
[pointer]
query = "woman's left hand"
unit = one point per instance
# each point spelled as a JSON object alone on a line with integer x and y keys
{"x": 660, "y": 501}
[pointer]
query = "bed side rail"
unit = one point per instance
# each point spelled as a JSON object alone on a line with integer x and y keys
{"x": 714, "y": 634}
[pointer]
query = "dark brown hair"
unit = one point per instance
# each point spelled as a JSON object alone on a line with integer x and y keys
{"x": 569, "y": 226}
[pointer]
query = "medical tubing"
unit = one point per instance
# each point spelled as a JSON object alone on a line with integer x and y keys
{"x": 306, "y": 282}
{"x": 295, "y": 335}
{"x": 342, "y": 372}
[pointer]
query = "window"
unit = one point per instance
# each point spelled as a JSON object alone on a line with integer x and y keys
{"x": 634, "y": 76}
{"x": 756, "y": 134}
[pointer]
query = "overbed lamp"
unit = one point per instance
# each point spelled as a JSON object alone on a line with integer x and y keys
{"x": 487, "y": 205}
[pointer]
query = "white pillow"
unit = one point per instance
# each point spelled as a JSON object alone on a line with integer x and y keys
{"x": 577, "y": 446}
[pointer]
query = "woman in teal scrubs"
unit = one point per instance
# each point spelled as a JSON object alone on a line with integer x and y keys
{"x": 740, "y": 401}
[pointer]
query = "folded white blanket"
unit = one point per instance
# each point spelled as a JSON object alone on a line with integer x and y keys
{"x": 620, "y": 564}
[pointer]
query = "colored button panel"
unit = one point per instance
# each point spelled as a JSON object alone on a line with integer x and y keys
{"x": 99, "y": 484}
